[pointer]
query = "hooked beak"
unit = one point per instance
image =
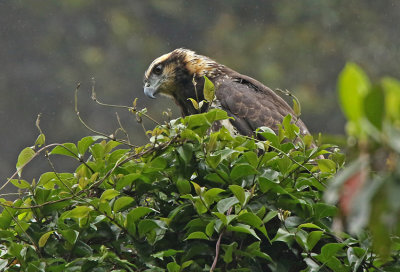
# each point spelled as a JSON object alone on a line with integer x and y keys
{"x": 149, "y": 91}
{"x": 151, "y": 88}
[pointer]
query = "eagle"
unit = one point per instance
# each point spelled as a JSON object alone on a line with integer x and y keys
{"x": 180, "y": 75}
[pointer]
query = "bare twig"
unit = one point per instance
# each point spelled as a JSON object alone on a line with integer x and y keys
{"x": 91, "y": 129}
{"x": 131, "y": 109}
{"x": 218, "y": 244}
{"x": 121, "y": 128}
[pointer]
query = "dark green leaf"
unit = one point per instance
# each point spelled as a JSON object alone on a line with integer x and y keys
{"x": 224, "y": 204}
{"x": 183, "y": 186}
{"x": 374, "y": 106}
{"x": 244, "y": 229}
{"x": 229, "y": 249}
{"x": 312, "y": 239}
{"x": 70, "y": 235}
{"x": 126, "y": 180}
{"x": 239, "y": 193}
{"x": 158, "y": 164}
{"x": 242, "y": 170}
{"x": 137, "y": 213}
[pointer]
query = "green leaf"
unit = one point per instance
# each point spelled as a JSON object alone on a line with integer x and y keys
{"x": 122, "y": 203}
{"x": 85, "y": 142}
{"x": 313, "y": 238}
{"x": 78, "y": 212}
{"x": 374, "y": 105}
{"x": 210, "y": 228}
{"x": 224, "y": 204}
{"x": 185, "y": 152}
{"x": 24, "y": 157}
{"x": 137, "y": 213}
{"x": 322, "y": 210}
{"x": 145, "y": 226}
{"x": 214, "y": 160}
{"x": 269, "y": 135}
{"x": 70, "y": 235}
{"x": 194, "y": 103}
{"x": 20, "y": 183}
{"x": 211, "y": 195}
{"x": 391, "y": 87}
{"x": 126, "y": 180}
{"x": 284, "y": 236}
{"x": 329, "y": 250}
{"x": 308, "y": 225}
{"x": 197, "y": 188}
{"x": 244, "y": 229}
{"x": 289, "y": 129}
{"x": 173, "y": 267}
{"x": 167, "y": 253}
{"x": 186, "y": 264}
{"x": 353, "y": 85}
{"x": 43, "y": 239}
{"x": 270, "y": 215}
{"x": 67, "y": 149}
{"x": 250, "y": 219}
{"x": 327, "y": 165}
{"x": 254, "y": 221}
{"x": 183, "y": 186}
{"x": 98, "y": 151}
{"x": 239, "y": 193}
{"x": 252, "y": 158}
{"x": 208, "y": 90}
{"x": 242, "y": 170}
{"x": 254, "y": 250}
{"x": 156, "y": 165}
{"x": 216, "y": 115}
{"x": 40, "y": 140}
{"x": 108, "y": 195}
{"x": 214, "y": 177}
{"x": 197, "y": 235}
{"x": 296, "y": 108}
{"x": 229, "y": 249}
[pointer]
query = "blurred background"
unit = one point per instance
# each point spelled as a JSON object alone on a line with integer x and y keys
{"x": 48, "y": 46}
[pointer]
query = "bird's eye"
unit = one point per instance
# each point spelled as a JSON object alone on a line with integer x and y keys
{"x": 158, "y": 69}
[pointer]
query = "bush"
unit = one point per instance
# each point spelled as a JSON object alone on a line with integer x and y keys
{"x": 189, "y": 200}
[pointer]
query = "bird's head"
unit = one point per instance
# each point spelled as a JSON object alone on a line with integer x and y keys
{"x": 173, "y": 73}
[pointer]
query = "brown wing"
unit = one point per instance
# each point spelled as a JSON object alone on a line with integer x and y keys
{"x": 252, "y": 104}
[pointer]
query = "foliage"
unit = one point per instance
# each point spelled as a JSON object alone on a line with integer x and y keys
{"x": 191, "y": 199}
{"x": 372, "y": 181}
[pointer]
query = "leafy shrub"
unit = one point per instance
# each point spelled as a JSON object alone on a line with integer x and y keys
{"x": 189, "y": 200}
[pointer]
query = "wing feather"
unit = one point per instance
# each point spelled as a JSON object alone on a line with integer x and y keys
{"x": 252, "y": 104}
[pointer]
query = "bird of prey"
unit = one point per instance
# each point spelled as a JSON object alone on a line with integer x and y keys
{"x": 249, "y": 102}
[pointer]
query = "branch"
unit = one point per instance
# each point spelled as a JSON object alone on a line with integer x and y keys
{"x": 218, "y": 244}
